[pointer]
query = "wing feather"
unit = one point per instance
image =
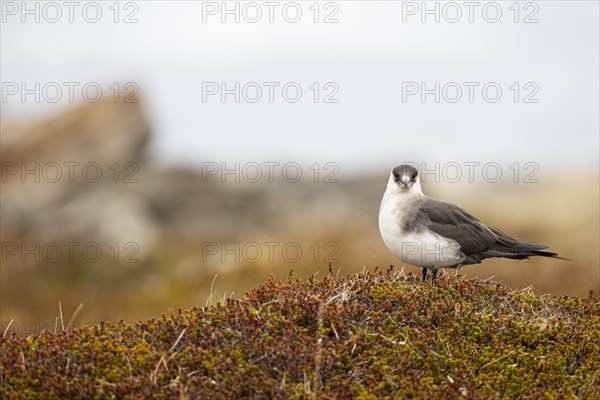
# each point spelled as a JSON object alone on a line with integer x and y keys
{"x": 477, "y": 241}
{"x": 451, "y": 221}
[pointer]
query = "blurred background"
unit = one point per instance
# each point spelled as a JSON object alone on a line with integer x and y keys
{"x": 162, "y": 155}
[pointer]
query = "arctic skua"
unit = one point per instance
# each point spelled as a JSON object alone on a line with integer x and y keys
{"x": 433, "y": 234}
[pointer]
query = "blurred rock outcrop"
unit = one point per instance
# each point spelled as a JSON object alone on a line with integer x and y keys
{"x": 84, "y": 176}
{"x": 65, "y": 178}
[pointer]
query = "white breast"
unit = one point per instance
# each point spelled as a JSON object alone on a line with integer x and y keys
{"x": 421, "y": 248}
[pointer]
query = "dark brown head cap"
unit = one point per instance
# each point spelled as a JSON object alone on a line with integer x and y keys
{"x": 405, "y": 174}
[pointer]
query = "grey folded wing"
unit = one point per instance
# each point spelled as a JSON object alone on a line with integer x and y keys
{"x": 476, "y": 240}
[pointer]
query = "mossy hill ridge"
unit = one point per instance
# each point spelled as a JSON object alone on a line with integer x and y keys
{"x": 369, "y": 335}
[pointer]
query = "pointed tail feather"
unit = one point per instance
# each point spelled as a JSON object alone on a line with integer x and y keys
{"x": 549, "y": 254}
{"x": 522, "y": 251}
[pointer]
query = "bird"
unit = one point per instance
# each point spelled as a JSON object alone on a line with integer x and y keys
{"x": 433, "y": 234}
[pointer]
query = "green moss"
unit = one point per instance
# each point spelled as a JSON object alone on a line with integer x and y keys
{"x": 369, "y": 335}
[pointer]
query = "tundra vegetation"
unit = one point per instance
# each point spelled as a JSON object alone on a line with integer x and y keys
{"x": 375, "y": 334}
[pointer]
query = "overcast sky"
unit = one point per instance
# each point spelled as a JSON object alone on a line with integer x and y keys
{"x": 524, "y": 91}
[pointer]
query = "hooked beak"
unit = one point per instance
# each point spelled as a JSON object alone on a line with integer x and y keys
{"x": 405, "y": 180}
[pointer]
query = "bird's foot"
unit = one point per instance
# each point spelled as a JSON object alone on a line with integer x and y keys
{"x": 434, "y": 272}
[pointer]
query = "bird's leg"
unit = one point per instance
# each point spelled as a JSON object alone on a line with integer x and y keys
{"x": 424, "y": 274}
{"x": 434, "y": 272}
